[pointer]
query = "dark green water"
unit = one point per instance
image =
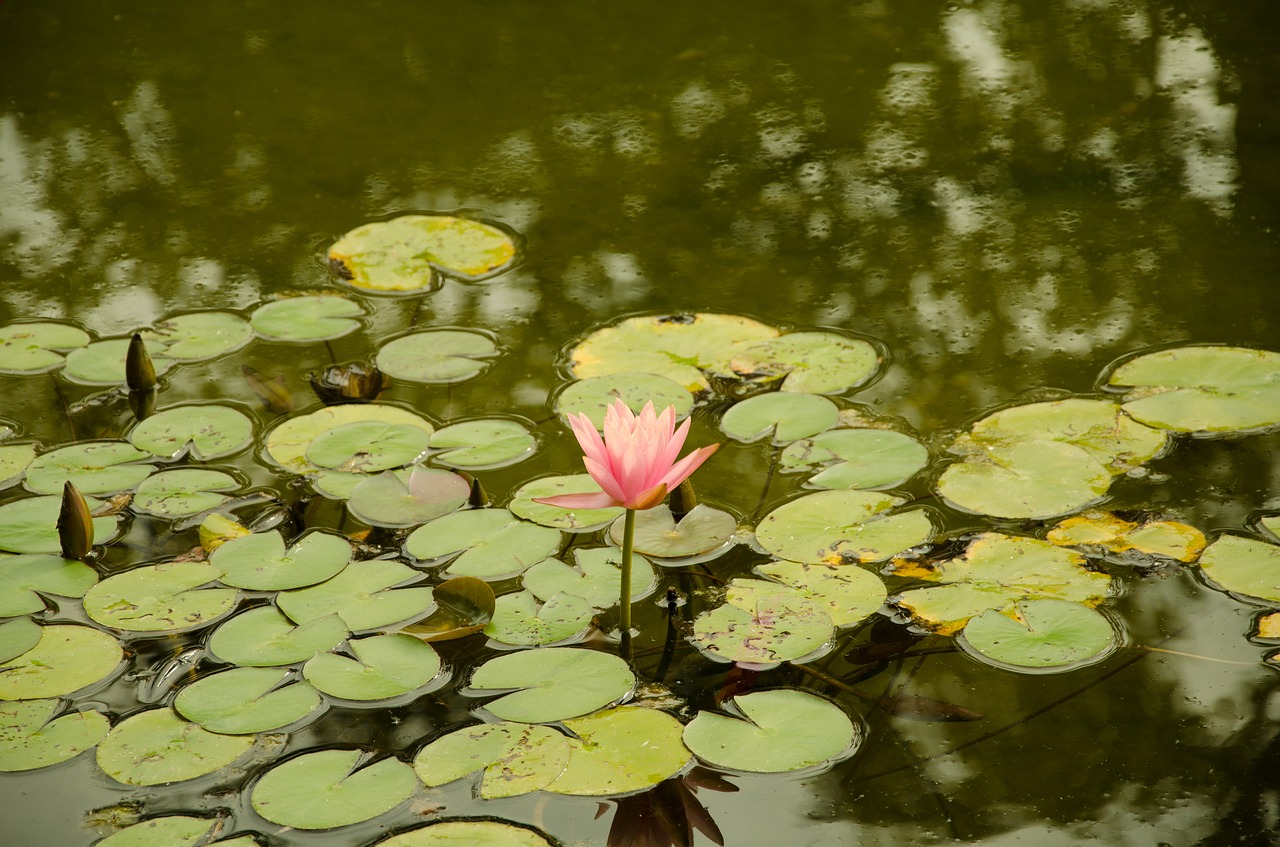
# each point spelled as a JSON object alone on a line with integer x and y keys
{"x": 1008, "y": 195}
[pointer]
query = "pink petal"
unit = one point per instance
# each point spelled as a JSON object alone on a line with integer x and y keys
{"x": 588, "y": 438}
{"x": 681, "y": 470}
{"x": 648, "y": 499}
{"x": 590, "y": 500}
{"x": 672, "y": 449}
{"x": 604, "y": 478}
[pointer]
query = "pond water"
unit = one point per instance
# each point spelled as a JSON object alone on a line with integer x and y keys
{"x": 1004, "y": 198}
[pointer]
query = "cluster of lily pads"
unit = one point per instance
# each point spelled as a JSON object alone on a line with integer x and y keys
{"x": 270, "y": 626}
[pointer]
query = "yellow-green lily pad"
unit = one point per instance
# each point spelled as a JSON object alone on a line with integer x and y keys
{"x": 841, "y": 527}
{"x": 400, "y": 255}
{"x": 31, "y": 737}
{"x": 157, "y": 747}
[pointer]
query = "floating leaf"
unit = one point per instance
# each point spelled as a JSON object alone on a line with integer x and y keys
{"x": 366, "y": 595}
{"x": 216, "y": 530}
{"x": 263, "y": 637}
{"x": 205, "y": 430}
{"x": 288, "y": 442}
{"x": 197, "y": 336}
{"x": 806, "y": 362}
{"x": 554, "y": 683}
{"x": 1032, "y": 480}
{"x": 385, "y": 500}
{"x": 621, "y": 750}
{"x": 597, "y": 577}
{"x": 314, "y": 317}
{"x": 704, "y": 530}
{"x": 243, "y": 701}
{"x": 570, "y": 520}
{"x": 367, "y": 447}
{"x": 679, "y": 347}
{"x": 157, "y": 747}
{"x": 1107, "y": 532}
{"x": 783, "y": 730}
{"x": 1040, "y": 635}
{"x": 518, "y": 619}
{"x": 487, "y": 543}
{"x": 168, "y": 597}
{"x": 14, "y": 460}
{"x": 592, "y": 396}
{"x": 103, "y": 362}
{"x": 168, "y": 831}
{"x": 1203, "y": 389}
{"x": 64, "y": 660}
{"x": 465, "y": 605}
{"x": 437, "y": 356}
{"x": 482, "y": 444}
{"x": 182, "y": 492}
{"x": 24, "y": 578}
{"x": 30, "y": 737}
{"x": 384, "y": 666}
{"x": 1271, "y": 524}
{"x": 762, "y": 624}
{"x": 31, "y": 525}
{"x": 1244, "y": 566}
{"x": 856, "y": 458}
{"x": 397, "y": 256}
{"x": 467, "y": 833}
{"x": 17, "y": 636}
{"x": 324, "y": 789}
{"x": 38, "y": 346}
{"x": 849, "y": 594}
{"x": 787, "y": 417}
{"x": 997, "y": 572}
{"x": 839, "y": 527}
{"x": 94, "y": 467}
{"x": 260, "y": 562}
{"x": 515, "y": 758}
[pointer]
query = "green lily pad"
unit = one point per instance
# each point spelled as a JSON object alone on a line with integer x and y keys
{"x": 399, "y": 256}
{"x": 260, "y": 562}
{"x": 38, "y": 346}
{"x": 842, "y": 527}
{"x": 17, "y": 636}
{"x": 762, "y": 624}
{"x": 205, "y": 430}
{"x": 515, "y": 758}
{"x": 31, "y": 525}
{"x": 569, "y": 520}
{"x": 288, "y": 442}
{"x": 468, "y": 833}
{"x": 94, "y": 467}
{"x": 520, "y": 620}
{"x": 386, "y": 500}
{"x": 806, "y": 362}
{"x": 197, "y": 336}
{"x": 157, "y": 747}
{"x": 103, "y": 362}
{"x": 1032, "y": 480}
{"x": 856, "y": 458}
{"x": 465, "y": 605}
{"x": 704, "y": 532}
{"x": 554, "y": 683}
{"x": 850, "y": 594}
{"x": 168, "y": 831}
{"x": 23, "y": 579}
{"x": 384, "y": 666}
{"x": 1040, "y": 635}
{"x": 30, "y": 736}
{"x": 263, "y": 637}
{"x": 1203, "y": 389}
{"x": 324, "y": 789}
{"x": 243, "y": 701}
{"x": 785, "y": 416}
{"x": 1270, "y": 524}
{"x": 437, "y": 356}
{"x": 182, "y": 492}
{"x": 366, "y": 595}
{"x": 592, "y": 396}
{"x": 779, "y": 731}
{"x": 313, "y": 317}
{"x": 487, "y": 543}
{"x": 14, "y": 461}
{"x": 1111, "y": 534}
{"x": 1244, "y": 566}
{"x": 168, "y": 597}
{"x": 597, "y": 577}
{"x": 621, "y": 750}
{"x": 482, "y": 444}
{"x": 367, "y": 447}
{"x": 997, "y": 572}
{"x": 679, "y": 347}
{"x": 64, "y": 660}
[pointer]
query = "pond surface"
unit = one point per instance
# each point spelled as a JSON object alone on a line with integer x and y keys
{"x": 1004, "y": 198}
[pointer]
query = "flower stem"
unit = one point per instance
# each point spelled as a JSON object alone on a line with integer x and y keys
{"x": 624, "y": 596}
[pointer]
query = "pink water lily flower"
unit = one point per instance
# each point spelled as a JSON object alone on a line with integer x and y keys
{"x": 635, "y": 463}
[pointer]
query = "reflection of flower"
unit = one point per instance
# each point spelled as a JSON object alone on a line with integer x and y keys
{"x": 635, "y": 463}
{"x": 668, "y": 814}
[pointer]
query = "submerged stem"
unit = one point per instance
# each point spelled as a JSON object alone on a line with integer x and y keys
{"x": 624, "y": 596}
